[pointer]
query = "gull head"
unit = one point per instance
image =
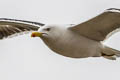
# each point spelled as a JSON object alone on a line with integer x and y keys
{"x": 49, "y": 31}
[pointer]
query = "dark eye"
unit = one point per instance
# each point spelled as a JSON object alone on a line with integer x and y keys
{"x": 47, "y": 29}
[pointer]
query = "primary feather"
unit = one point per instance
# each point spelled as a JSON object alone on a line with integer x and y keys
{"x": 10, "y": 27}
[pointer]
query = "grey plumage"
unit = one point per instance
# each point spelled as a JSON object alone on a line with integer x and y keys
{"x": 99, "y": 27}
{"x": 9, "y": 27}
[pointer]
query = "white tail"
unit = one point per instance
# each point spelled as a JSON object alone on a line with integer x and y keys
{"x": 110, "y": 53}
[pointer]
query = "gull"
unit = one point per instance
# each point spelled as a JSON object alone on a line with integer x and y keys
{"x": 71, "y": 40}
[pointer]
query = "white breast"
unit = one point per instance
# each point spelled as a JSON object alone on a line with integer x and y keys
{"x": 72, "y": 45}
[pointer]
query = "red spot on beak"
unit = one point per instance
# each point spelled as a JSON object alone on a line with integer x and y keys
{"x": 33, "y": 35}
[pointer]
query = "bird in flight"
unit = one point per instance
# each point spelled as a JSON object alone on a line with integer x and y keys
{"x": 76, "y": 41}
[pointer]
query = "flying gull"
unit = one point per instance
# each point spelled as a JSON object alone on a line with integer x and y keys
{"x": 75, "y": 41}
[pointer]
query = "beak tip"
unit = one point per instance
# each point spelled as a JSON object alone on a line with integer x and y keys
{"x": 36, "y": 34}
{"x": 32, "y": 35}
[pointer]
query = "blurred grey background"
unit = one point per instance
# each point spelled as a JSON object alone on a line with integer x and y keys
{"x": 26, "y": 58}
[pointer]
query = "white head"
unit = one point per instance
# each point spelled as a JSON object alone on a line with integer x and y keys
{"x": 50, "y": 31}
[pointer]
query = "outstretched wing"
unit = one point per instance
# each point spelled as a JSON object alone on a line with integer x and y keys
{"x": 99, "y": 27}
{"x": 9, "y": 27}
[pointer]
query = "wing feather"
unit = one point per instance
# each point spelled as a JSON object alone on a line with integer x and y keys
{"x": 10, "y": 27}
{"x": 100, "y": 26}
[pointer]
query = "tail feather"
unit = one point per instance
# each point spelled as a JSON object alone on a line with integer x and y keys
{"x": 110, "y": 53}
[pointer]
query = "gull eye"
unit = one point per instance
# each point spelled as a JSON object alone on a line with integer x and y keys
{"x": 47, "y": 29}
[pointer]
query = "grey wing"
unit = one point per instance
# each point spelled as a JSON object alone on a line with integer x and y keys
{"x": 100, "y": 26}
{"x": 10, "y": 27}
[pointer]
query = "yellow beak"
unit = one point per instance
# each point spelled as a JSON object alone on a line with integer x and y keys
{"x": 36, "y": 34}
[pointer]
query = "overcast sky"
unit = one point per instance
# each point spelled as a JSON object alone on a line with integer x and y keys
{"x": 26, "y": 58}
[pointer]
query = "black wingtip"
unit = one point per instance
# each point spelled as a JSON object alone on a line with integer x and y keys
{"x": 31, "y": 22}
{"x": 113, "y": 9}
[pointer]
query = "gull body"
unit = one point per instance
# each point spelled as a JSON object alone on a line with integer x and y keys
{"x": 67, "y": 43}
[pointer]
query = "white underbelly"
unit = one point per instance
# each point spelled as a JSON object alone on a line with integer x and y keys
{"x": 79, "y": 51}
{"x": 76, "y": 46}
{"x": 80, "y": 48}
